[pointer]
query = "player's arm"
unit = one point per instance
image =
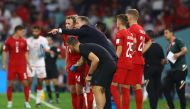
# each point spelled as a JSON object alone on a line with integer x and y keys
{"x": 94, "y": 62}
{"x": 80, "y": 62}
{"x": 182, "y": 52}
{"x": 148, "y": 43}
{"x": 4, "y": 60}
{"x": 119, "y": 51}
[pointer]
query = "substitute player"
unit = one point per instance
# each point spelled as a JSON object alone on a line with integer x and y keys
{"x": 38, "y": 45}
{"x": 75, "y": 79}
{"x": 16, "y": 47}
{"x": 143, "y": 43}
{"x": 121, "y": 79}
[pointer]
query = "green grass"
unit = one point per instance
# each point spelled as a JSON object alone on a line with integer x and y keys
{"x": 65, "y": 102}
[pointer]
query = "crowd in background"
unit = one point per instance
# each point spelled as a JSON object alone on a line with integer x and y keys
{"x": 156, "y": 14}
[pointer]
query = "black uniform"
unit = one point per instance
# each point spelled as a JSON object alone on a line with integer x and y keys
{"x": 88, "y": 34}
{"x": 106, "y": 67}
{"x": 176, "y": 76}
{"x": 50, "y": 61}
{"x": 152, "y": 72}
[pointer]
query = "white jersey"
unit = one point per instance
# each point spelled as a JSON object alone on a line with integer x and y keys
{"x": 37, "y": 49}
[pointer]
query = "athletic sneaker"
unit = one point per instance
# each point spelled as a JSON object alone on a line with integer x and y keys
{"x": 10, "y": 104}
{"x": 38, "y": 105}
{"x": 27, "y": 105}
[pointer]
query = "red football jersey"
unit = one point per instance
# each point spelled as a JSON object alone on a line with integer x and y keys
{"x": 141, "y": 37}
{"x": 16, "y": 49}
{"x": 125, "y": 39}
{"x": 72, "y": 56}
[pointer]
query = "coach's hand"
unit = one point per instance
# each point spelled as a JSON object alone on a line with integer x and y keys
{"x": 73, "y": 68}
{"x": 53, "y": 31}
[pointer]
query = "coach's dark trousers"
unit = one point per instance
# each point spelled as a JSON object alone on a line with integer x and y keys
{"x": 177, "y": 78}
{"x": 153, "y": 75}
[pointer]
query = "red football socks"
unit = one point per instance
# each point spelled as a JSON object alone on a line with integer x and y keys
{"x": 26, "y": 93}
{"x": 9, "y": 93}
{"x": 74, "y": 100}
{"x": 125, "y": 98}
{"x": 138, "y": 98}
{"x": 116, "y": 96}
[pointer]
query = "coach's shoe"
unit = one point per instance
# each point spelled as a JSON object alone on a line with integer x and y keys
{"x": 50, "y": 101}
{"x": 27, "y": 105}
{"x": 10, "y": 104}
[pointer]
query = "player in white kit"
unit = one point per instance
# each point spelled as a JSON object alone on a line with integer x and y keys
{"x": 38, "y": 45}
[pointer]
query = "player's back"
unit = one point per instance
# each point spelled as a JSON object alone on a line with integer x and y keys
{"x": 125, "y": 39}
{"x": 36, "y": 50}
{"x": 141, "y": 37}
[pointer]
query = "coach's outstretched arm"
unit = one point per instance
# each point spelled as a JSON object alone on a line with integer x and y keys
{"x": 75, "y": 32}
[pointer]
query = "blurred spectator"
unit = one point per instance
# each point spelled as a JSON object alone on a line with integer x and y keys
{"x": 14, "y": 21}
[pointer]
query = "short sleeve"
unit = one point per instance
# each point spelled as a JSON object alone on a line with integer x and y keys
{"x": 119, "y": 39}
{"x": 180, "y": 43}
{"x": 6, "y": 46}
{"x": 45, "y": 44}
{"x": 85, "y": 51}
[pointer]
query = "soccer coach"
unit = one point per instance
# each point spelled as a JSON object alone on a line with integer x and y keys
{"x": 88, "y": 34}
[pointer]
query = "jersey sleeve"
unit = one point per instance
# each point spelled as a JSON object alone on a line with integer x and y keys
{"x": 45, "y": 44}
{"x": 180, "y": 43}
{"x": 6, "y": 46}
{"x": 119, "y": 39}
{"x": 26, "y": 48}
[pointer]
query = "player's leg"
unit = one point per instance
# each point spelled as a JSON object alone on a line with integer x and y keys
{"x": 9, "y": 93}
{"x": 30, "y": 75}
{"x": 167, "y": 88}
{"x": 72, "y": 87}
{"x": 180, "y": 87}
{"x": 41, "y": 75}
{"x": 116, "y": 88}
{"x": 56, "y": 86}
{"x": 49, "y": 92}
{"x": 100, "y": 97}
{"x": 137, "y": 85}
{"x": 23, "y": 78}
{"x": 11, "y": 77}
{"x": 79, "y": 90}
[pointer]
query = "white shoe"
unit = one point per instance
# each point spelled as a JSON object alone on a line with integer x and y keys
{"x": 10, "y": 104}
{"x": 27, "y": 105}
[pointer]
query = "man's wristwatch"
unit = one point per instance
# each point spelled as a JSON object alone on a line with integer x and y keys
{"x": 59, "y": 30}
{"x": 89, "y": 74}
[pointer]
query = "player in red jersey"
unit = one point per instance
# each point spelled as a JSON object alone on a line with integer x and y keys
{"x": 75, "y": 79}
{"x": 124, "y": 43}
{"x": 16, "y": 47}
{"x": 143, "y": 43}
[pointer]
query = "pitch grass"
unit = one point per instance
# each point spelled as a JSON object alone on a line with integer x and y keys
{"x": 65, "y": 102}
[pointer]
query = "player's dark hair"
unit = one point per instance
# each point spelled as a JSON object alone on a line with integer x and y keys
{"x": 19, "y": 27}
{"x": 123, "y": 18}
{"x": 101, "y": 26}
{"x": 72, "y": 40}
{"x": 169, "y": 28}
{"x": 150, "y": 33}
{"x": 73, "y": 17}
{"x": 84, "y": 19}
{"x": 36, "y": 27}
{"x": 134, "y": 13}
